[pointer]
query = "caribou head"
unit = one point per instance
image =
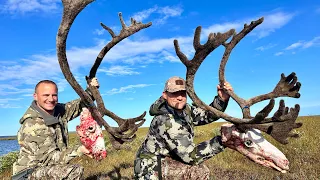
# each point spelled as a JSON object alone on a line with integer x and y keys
{"x": 91, "y": 135}
{"x": 126, "y": 127}
{"x": 252, "y": 144}
{"x": 279, "y": 126}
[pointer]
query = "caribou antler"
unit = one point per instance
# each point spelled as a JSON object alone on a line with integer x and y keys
{"x": 127, "y": 127}
{"x": 282, "y": 122}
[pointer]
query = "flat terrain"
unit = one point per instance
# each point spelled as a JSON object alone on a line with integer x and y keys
{"x": 303, "y": 154}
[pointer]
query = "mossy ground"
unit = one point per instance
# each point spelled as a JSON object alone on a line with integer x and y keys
{"x": 303, "y": 154}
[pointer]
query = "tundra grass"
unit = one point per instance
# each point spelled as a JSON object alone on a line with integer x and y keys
{"x": 303, "y": 154}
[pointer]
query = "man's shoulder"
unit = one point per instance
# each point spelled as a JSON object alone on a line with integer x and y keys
{"x": 30, "y": 114}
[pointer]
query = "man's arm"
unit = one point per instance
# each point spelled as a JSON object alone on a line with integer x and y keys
{"x": 73, "y": 108}
{"x": 38, "y": 145}
{"x": 202, "y": 117}
{"x": 220, "y": 102}
{"x": 180, "y": 142}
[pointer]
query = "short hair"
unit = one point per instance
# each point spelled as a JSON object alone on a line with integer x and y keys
{"x": 45, "y": 82}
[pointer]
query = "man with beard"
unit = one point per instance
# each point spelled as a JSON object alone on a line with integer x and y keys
{"x": 168, "y": 150}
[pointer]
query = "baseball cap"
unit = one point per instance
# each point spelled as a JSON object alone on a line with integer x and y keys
{"x": 175, "y": 84}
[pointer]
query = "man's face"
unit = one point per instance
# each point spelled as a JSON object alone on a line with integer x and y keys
{"x": 46, "y": 96}
{"x": 176, "y": 100}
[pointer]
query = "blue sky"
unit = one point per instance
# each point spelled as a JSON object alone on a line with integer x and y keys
{"x": 133, "y": 73}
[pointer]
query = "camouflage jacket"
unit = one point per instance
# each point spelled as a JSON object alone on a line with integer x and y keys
{"x": 43, "y": 138}
{"x": 171, "y": 134}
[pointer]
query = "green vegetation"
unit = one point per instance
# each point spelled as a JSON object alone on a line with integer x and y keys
{"x": 7, "y": 161}
{"x": 303, "y": 154}
{"x": 8, "y": 138}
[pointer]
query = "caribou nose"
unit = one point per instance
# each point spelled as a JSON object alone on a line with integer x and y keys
{"x": 101, "y": 155}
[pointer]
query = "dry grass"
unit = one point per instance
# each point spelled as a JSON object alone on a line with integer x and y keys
{"x": 303, "y": 154}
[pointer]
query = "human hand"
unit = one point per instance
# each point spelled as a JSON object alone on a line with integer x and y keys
{"x": 222, "y": 93}
{"x": 85, "y": 151}
{"x": 94, "y": 82}
{"x": 229, "y": 136}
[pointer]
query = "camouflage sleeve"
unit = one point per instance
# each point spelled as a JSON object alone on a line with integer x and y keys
{"x": 38, "y": 147}
{"x": 202, "y": 117}
{"x": 180, "y": 142}
{"x": 65, "y": 156}
{"x": 74, "y": 108}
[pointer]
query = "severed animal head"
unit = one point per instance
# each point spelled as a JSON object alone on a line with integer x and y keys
{"x": 91, "y": 135}
{"x": 252, "y": 145}
{"x": 279, "y": 126}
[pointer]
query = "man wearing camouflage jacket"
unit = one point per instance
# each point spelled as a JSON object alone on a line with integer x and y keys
{"x": 43, "y": 137}
{"x": 168, "y": 151}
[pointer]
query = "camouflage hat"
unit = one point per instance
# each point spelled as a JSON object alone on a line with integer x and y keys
{"x": 175, "y": 84}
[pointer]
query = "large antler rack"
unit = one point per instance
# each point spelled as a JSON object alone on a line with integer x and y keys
{"x": 127, "y": 127}
{"x": 282, "y": 122}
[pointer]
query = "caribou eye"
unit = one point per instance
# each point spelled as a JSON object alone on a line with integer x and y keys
{"x": 248, "y": 143}
{"x": 91, "y": 129}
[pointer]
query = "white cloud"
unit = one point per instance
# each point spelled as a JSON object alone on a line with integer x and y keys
{"x": 168, "y": 12}
{"x": 118, "y": 71}
{"x": 222, "y": 27}
{"x": 27, "y": 6}
{"x": 278, "y": 54}
{"x": 126, "y": 89}
{"x": 161, "y": 14}
{"x": 9, "y": 89}
{"x": 9, "y": 106}
{"x": 318, "y": 10}
{"x": 263, "y": 48}
{"x": 62, "y": 83}
{"x": 272, "y": 22}
{"x": 99, "y": 31}
{"x": 294, "y": 45}
{"x": 7, "y": 103}
{"x": 305, "y": 44}
{"x": 6, "y": 100}
{"x": 142, "y": 15}
{"x": 30, "y": 70}
{"x": 314, "y": 42}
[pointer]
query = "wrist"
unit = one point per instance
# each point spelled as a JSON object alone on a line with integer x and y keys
{"x": 224, "y": 99}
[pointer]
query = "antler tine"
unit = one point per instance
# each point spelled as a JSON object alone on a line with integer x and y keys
{"x": 282, "y": 122}
{"x": 196, "y": 40}
{"x": 228, "y": 48}
{"x": 183, "y": 57}
{"x": 124, "y": 33}
{"x": 108, "y": 29}
{"x": 123, "y": 124}
{"x": 71, "y": 9}
{"x": 280, "y": 125}
{"x": 202, "y": 51}
{"x": 288, "y": 86}
{"x": 104, "y": 111}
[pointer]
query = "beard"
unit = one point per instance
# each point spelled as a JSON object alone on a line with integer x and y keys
{"x": 179, "y": 106}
